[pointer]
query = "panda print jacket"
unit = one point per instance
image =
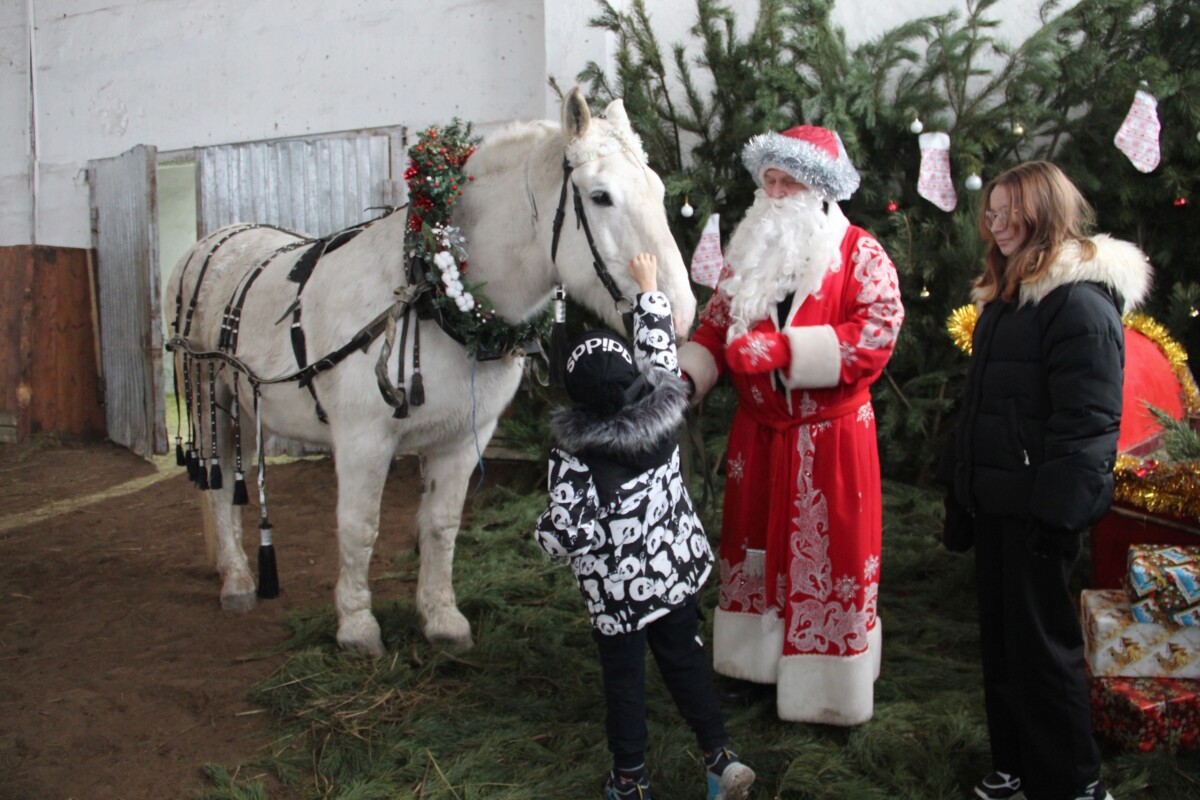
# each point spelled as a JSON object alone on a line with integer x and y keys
{"x": 619, "y": 512}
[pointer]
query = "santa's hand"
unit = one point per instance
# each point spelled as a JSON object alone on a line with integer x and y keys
{"x": 754, "y": 353}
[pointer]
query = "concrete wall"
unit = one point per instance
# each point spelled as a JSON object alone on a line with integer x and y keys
{"x": 111, "y": 74}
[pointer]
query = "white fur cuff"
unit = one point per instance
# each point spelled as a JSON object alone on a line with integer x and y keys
{"x": 816, "y": 357}
{"x": 700, "y": 366}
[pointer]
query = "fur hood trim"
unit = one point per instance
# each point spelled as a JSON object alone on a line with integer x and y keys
{"x": 1117, "y": 264}
{"x": 633, "y": 431}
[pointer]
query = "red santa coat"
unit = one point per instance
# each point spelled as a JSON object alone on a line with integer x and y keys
{"x": 802, "y": 525}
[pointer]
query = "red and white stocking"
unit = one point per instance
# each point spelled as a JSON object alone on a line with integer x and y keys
{"x": 934, "y": 182}
{"x": 707, "y": 259}
{"x": 1139, "y": 133}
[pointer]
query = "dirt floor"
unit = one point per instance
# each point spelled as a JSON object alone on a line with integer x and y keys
{"x": 120, "y": 675}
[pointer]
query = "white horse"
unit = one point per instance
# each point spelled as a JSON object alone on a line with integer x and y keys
{"x": 507, "y": 216}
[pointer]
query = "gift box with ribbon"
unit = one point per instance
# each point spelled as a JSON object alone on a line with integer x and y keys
{"x": 1116, "y": 644}
{"x": 1163, "y": 584}
{"x": 1144, "y": 714}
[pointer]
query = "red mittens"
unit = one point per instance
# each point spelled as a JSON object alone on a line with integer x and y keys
{"x": 754, "y": 353}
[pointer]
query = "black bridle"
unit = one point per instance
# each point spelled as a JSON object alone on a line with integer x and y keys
{"x": 606, "y": 278}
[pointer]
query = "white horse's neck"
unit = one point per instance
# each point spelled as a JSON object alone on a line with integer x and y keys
{"x": 506, "y": 214}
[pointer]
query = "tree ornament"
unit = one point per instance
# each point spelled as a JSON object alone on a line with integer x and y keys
{"x": 1018, "y": 129}
{"x": 924, "y": 292}
{"x": 974, "y": 183}
{"x": 707, "y": 259}
{"x": 1138, "y": 135}
{"x": 916, "y": 126}
{"x": 687, "y": 209}
{"x": 1180, "y": 201}
{"x": 934, "y": 182}
{"x": 892, "y": 207}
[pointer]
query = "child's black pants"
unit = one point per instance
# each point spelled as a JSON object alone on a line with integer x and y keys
{"x": 674, "y": 640}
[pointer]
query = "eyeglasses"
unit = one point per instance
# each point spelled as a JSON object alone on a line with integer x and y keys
{"x": 992, "y": 217}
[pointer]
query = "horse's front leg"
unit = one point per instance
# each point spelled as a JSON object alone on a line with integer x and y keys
{"x": 447, "y": 472}
{"x": 361, "y": 461}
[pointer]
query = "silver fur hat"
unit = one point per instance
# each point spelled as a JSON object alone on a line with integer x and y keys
{"x": 810, "y": 154}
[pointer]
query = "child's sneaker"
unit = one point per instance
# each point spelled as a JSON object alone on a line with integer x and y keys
{"x": 619, "y": 788}
{"x": 728, "y": 778}
{"x": 1000, "y": 786}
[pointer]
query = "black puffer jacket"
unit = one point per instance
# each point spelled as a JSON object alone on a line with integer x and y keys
{"x": 1037, "y": 436}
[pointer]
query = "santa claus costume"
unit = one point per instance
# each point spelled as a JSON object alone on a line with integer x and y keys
{"x": 803, "y": 320}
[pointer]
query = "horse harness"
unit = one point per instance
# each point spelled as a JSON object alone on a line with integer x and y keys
{"x": 417, "y": 295}
{"x": 606, "y": 278}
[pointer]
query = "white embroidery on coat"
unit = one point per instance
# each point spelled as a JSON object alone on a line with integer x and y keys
{"x": 736, "y": 467}
{"x": 880, "y": 292}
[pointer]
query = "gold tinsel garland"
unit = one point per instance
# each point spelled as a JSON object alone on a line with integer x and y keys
{"x": 1154, "y": 487}
{"x": 1168, "y": 489}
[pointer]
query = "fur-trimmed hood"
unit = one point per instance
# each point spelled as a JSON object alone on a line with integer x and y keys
{"x": 634, "y": 431}
{"x": 1117, "y": 264}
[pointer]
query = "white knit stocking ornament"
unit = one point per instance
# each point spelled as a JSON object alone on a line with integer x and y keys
{"x": 1139, "y": 133}
{"x": 934, "y": 182}
{"x": 707, "y": 260}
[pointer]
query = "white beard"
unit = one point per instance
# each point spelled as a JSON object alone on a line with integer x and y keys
{"x": 783, "y": 245}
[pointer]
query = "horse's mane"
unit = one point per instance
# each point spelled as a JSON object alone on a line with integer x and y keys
{"x": 504, "y": 149}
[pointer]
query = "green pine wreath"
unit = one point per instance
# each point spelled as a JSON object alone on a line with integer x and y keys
{"x": 436, "y": 176}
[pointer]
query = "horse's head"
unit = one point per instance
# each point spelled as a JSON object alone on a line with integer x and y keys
{"x": 622, "y": 201}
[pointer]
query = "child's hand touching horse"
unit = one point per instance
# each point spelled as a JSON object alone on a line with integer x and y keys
{"x": 644, "y": 269}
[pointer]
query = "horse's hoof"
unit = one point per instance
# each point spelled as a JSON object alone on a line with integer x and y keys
{"x": 452, "y": 644}
{"x": 360, "y": 634}
{"x": 239, "y": 603}
{"x": 373, "y": 649}
{"x": 448, "y": 629}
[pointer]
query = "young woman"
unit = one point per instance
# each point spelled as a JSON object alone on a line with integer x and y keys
{"x": 1029, "y": 467}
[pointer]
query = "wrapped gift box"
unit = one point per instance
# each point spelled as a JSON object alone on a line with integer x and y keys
{"x": 1116, "y": 644}
{"x": 1144, "y": 714}
{"x": 1163, "y": 584}
{"x": 1124, "y": 526}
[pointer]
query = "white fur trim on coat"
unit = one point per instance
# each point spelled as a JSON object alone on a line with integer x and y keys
{"x": 699, "y": 365}
{"x": 829, "y": 690}
{"x": 816, "y": 357}
{"x": 747, "y": 646}
{"x": 1118, "y": 264}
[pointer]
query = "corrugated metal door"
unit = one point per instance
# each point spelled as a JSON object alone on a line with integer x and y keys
{"x": 125, "y": 237}
{"x": 315, "y": 186}
{"x": 312, "y": 186}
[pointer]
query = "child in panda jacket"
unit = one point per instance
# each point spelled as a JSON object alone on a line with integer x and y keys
{"x": 621, "y": 516}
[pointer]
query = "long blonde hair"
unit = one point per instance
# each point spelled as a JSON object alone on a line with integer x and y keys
{"x": 1053, "y": 211}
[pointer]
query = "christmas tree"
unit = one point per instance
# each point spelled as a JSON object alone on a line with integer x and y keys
{"x": 1060, "y": 95}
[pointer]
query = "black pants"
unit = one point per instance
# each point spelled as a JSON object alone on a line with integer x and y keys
{"x": 674, "y": 640}
{"x": 1034, "y": 681}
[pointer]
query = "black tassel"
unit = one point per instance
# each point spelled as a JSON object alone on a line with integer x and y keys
{"x": 190, "y": 458}
{"x": 214, "y": 476}
{"x": 180, "y": 458}
{"x": 268, "y": 573}
{"x": 201, "y": 475}
{"x": 416, "y": 395}
{"x": 240, "y": 496}
{"x": 558, "y": 338}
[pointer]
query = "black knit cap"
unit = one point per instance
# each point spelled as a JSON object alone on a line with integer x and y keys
{"x": 600, "y": 370}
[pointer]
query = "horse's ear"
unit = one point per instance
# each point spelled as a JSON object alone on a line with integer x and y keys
{"x": 615, "y": 113}
{"x": 575, "y": 115}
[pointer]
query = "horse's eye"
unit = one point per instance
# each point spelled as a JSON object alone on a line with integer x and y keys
{"x": 601, "y": 198}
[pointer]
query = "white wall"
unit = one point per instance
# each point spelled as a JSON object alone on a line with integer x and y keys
{"x": 111, "y": 74}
